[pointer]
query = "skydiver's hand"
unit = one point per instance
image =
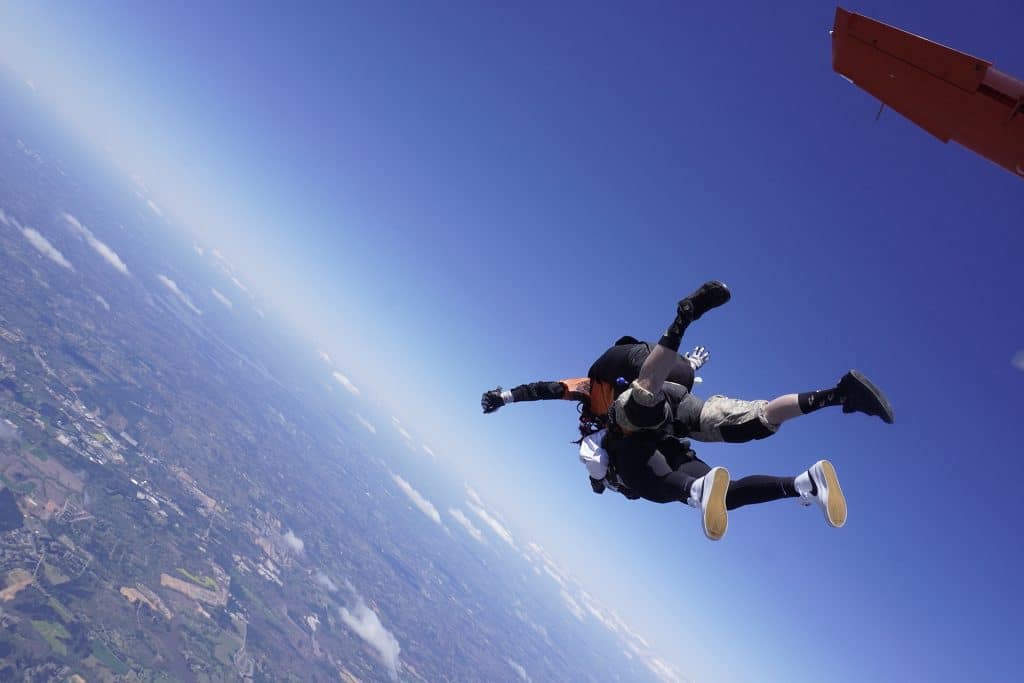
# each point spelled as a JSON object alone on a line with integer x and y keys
{"x": 492, "y": 400}
{"x": 629, "y": 493}
{"x": 596, "y": 485}
{"x": 697, "y": 358}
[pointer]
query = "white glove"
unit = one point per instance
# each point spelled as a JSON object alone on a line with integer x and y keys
{"x": 697, "y": 358}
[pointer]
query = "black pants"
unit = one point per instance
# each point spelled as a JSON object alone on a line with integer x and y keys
{"x": 632, "y": 456}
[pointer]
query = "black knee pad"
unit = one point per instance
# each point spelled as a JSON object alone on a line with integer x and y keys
{"x": 752, "y": 430}
{"x": 647, "y": 417}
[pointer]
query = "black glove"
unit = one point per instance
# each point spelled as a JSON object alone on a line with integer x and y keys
{"x": 491, "y": 400}
{"x": 596, "y": 485}
{"x": 628, "y": 493}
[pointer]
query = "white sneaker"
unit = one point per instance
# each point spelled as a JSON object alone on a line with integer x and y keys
{"x": 829, "y": 496}
{"x": 708, "y": 494}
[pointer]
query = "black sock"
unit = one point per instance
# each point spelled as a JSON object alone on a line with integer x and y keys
{"x": 673, "y": 336}
{"x": 815, "y": 400}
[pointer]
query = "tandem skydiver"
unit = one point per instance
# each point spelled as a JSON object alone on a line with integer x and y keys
{"x": 640, "y": 439}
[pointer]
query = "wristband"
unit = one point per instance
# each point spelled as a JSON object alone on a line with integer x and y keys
{"x": 507, "y": 397}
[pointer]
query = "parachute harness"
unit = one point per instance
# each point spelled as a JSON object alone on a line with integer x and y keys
{"x": 589, "y": 423}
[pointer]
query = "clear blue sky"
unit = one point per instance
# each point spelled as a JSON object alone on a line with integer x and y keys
{"x": 448, "y": 196}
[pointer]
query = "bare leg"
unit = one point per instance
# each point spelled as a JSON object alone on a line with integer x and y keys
{"x": 643, "y": 405}
{"x": 659, "y": 363}
{"x": 783, "y": 408}
{"x": 656, "y": 368}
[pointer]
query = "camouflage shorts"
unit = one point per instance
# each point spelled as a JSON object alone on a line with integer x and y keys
{"x": 733, "y": 420}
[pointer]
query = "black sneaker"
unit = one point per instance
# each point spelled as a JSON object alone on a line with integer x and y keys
{"x": 710, "y": 295}
{"x": 861, "y": 396}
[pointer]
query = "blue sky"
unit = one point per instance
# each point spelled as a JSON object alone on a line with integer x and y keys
{"x": 449, "y": 196}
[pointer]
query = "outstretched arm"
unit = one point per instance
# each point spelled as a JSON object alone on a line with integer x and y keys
{"x": 566, "y": 389}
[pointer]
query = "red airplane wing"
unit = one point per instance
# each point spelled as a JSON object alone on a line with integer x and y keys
{"x": 950, "y": 94}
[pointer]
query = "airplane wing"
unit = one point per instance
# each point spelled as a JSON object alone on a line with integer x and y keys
{"x": 950, "y": 94}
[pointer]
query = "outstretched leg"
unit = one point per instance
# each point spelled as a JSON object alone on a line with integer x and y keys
{"x": 818, "y": 485}
{"x": 854, "y": 392}
{"x": 720, "y": 418}
{"x": 760, "y": 488}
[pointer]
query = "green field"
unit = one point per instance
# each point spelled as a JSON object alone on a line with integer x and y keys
{"x": 60, "y": 609}
{"x": 53, "y": 576}
{"x": 225, "y": 647}
{"x": 103, "y": 653}
{"x": 25, "y": 488}
{"x": 39, "y": 452}
{"x": 204, "y": 581}
{"x": 55, "y": 635}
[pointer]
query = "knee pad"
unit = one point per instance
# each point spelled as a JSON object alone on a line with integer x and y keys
{"x": 637, "y": 409}
{"x": 752, "y": 430}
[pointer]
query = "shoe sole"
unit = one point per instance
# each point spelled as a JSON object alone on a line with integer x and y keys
{"x": 835, "y": 507}
{"x": 716, "y": 515}
{"x": 883, "y": 402}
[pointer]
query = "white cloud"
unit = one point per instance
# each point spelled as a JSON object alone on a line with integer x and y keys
{"x": 239, "y": 284}
{"x": 221, "y": 298}
{"x": 600, "y": 614}
{"x": 103, "y": 302}
{"x": 425, "y": 506}
{"x": 493, "y": 524}
{"x": 637, "y": 638}
{"x": 1018, "y": 360}
{"x": 541, "y": 630}
{"x": 366, "y": 624}
{"x": 31, "y": 153}
{"x": 426, "y": 449}
{"x": 554, "y": 575}
{"x": 551, "y": 568}
{"x": 520, "y": 671}
{"x": 198, "y": 249}
{"x": 173, "y": 286}
{"x": 400, "y": 429}
{"x": 663, "y": 671}
{"x": 3, "y": 217}
{"x": 460, "y": 517}
{"x": 31, "y": 84}
{"x": 293, "y": 541}
{"x": 633, "y": 639}
{"x": 323, "y": 580}
{"x": 45, "y": 248}
{"x": 346, "y": 382}
{"x": 8, "y": 432}
{"x": 473, "y": 496}
{"x": 574, "y": 607}
{"x": 366, "y": 423}
{"x": 108, "y": 254}
{"x": 156, "y": 209}
{"x": 324, "y": 357}
{"x": 220, "y": 257}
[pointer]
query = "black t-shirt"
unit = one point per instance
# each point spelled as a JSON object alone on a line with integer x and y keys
{"x": 624, "y": 360}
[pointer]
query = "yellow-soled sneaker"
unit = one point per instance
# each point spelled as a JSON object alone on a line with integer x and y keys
{"x": 708, "y": 494}
{"x": 820, "y": 485}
